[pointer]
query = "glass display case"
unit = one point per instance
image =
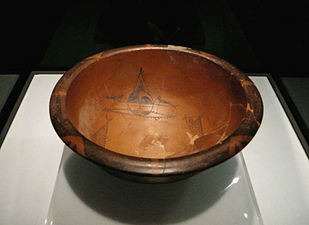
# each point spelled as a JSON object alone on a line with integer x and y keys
{"x": 44, "y": 182}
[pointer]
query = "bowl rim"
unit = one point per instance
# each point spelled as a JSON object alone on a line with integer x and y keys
{"x": 201, "y": 160}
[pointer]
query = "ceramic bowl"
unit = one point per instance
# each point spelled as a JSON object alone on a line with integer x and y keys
{"x": 155, "y": 113}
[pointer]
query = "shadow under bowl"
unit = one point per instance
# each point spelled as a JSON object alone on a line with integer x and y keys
{"x": 155, "y": 113}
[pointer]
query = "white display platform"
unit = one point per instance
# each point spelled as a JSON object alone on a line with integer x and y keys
{"x": 43, "y": 182}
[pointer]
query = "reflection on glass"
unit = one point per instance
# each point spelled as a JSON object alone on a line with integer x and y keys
{"x": 234, "y": 181}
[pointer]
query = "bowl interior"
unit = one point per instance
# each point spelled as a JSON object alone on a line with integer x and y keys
{"x": 155, "y": 103}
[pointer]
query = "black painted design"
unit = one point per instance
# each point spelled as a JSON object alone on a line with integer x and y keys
{"x": 140, "y": 93}
{"x": 103, "y": 131}
{"x": 140, "y": 102}
{"x": 117, "y": 98}
{"x": 195, "y": 125}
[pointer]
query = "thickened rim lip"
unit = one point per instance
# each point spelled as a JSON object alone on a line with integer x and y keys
{"x": 156, "y": 167}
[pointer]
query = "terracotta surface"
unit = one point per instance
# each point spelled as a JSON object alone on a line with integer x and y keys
{"x": 155, "y": 110}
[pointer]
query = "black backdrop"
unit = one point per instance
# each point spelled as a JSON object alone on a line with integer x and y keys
{"x": 275, "y": 32}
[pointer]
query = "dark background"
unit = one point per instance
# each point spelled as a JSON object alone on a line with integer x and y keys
{"x": 256, "y": 36}
{"x": 275, "y": 31}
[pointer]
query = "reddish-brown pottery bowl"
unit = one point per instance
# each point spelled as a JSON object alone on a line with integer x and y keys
{"x": 155, "y": 113}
